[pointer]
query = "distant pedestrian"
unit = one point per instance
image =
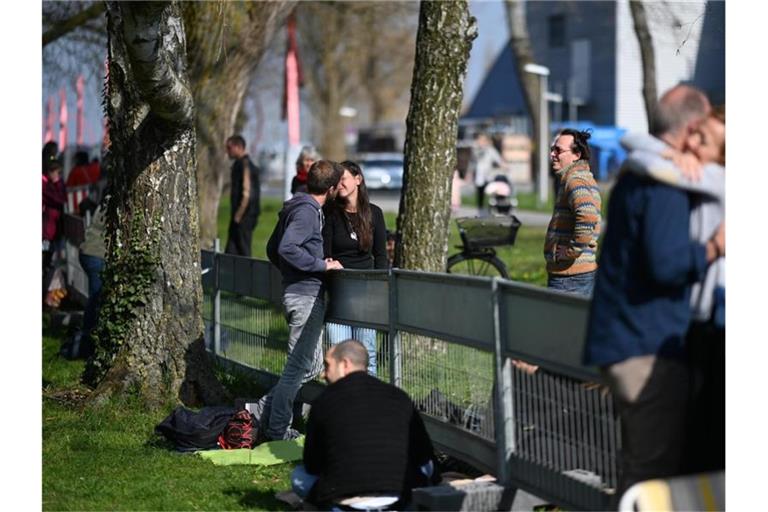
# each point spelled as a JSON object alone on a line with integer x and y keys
{"x": 92, "y": 259}
{"x": 296, "y": 248}
{"x": 244, "y": 198}
{"x": 355, "y": 234}
{"x": 307, "y": 156}
{"x": 570, "y": 246}
{"x": 54, "y": 199}
{"x": 484, "y": 161}
{"x": 84, "y": 171}
{"x": 50, "y": 154}
{"x": 641, "y": 310}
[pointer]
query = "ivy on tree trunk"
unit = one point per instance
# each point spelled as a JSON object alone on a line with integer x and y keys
{"x": 444, "y": 40}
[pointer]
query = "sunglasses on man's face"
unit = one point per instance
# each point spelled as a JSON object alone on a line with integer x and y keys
{"x": 558, "y": 150}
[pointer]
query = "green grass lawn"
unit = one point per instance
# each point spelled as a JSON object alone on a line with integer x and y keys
{"x": 110, "y": 459}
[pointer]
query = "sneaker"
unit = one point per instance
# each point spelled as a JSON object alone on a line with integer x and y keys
{"x": 291, "y": 434}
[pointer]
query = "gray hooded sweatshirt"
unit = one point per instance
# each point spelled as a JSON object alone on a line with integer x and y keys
{"x": 296, "y": 245}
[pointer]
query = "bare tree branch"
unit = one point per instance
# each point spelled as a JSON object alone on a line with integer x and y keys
{"x": 66, "y": 26}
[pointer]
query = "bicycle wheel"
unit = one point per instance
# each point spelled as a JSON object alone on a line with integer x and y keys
{"x": 477, "y": 265}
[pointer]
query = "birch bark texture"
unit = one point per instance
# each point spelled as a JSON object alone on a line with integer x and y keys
{"x": 150, "y": 333}
{"x": 443, "y": 42}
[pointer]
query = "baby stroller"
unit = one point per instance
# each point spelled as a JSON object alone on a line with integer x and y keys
{"x": 502, "y": 197}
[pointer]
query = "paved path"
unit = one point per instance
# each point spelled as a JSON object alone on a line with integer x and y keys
{"x": 389, "y": 201}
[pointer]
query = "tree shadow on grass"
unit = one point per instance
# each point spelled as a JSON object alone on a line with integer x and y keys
{"x": 256, "y": 499}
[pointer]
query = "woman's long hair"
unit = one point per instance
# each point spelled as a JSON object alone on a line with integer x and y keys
{"x": 362, "y": 223}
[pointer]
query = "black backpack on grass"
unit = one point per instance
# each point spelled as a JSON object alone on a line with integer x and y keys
{"x": 195, "y": 430}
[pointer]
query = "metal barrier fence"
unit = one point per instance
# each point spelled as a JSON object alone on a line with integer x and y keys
{"x": 450, "y": 341}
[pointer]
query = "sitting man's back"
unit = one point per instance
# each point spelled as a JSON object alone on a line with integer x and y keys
{"x": 364, "y": 436}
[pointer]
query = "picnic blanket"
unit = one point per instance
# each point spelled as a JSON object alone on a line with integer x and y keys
{"x": 266, "y": 454}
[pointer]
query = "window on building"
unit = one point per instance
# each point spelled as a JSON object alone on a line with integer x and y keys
{"x": 556, "y": 30}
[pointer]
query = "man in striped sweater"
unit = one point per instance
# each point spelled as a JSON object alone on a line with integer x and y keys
{"x": 570, "y": 247}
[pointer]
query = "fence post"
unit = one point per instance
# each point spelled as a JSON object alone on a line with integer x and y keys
{"x": 216, "y": 300}
{"x": 395, "y": 350}
{"x": 504, "y": 421}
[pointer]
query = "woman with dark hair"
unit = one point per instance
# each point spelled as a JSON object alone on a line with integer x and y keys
{"x": 355, "y": 234}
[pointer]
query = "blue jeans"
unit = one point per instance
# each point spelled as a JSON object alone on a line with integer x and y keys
{"x": 305, "y": 315}
{"x": 302, "y": 482}
{"x": 92, "y": 266}
{"x": 580, "y": 284}
{"x": 339, "y": 332}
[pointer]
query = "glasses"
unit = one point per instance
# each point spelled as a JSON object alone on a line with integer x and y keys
{"x": 558, "y": 151}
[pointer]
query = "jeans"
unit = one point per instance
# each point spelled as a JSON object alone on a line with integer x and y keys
{"x": 305, "y": 315}
{"x": 581, "y": 284}
{"x": 339, "y": 332}
{"x": 302, "y": 482}
{"x": 92, "y": 265}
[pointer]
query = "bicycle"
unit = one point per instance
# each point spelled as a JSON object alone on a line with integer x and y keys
{"x": 479, "y": 236}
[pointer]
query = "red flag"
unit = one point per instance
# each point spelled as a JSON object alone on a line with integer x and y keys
{"x": 80, "y": 87}
{"x": 63, "y": 119}
{"x": 49, "y": 121}
{"x": 292, "y": 81}
{"x": 291, "y": 48}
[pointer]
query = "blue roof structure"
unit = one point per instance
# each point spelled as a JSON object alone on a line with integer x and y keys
{"x": 501, "y": 94}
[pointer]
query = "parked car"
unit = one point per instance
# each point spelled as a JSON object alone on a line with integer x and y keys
{"x": 383, "y": 171}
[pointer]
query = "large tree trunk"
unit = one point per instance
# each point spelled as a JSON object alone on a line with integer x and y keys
{"x": 331, "y": 124}
{"x": 444, "y": 39}
{"x": 150, "y": 333}
{"x": 647, "y": 56}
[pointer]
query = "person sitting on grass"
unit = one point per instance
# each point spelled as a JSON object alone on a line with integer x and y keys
{"x": 364, "y": 438}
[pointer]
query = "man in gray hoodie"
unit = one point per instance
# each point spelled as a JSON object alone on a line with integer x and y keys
{"x": 296, "y": 248}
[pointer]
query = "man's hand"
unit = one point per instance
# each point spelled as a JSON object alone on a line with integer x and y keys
{"x": 716, "y": 245}
{"x": 561, "y": 253}
{"x": 688, "y": 164}
{"x": 719, "y": 239}
{"x": 332, "y": 264}
{"x": 528, "y": 368}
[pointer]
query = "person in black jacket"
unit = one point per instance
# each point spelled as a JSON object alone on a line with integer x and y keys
{"x": 355, "y": 234}
{"x": 245, "y": 194}
{"x": 364, "y": 437}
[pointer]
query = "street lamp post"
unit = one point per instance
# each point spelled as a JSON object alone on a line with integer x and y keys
{"x": 542, "y": 181}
